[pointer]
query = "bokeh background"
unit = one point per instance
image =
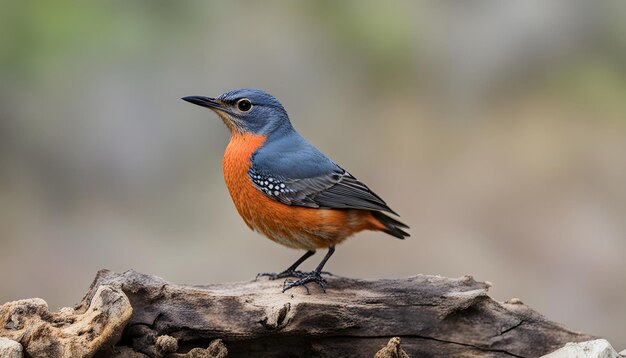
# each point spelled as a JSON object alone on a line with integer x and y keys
{"x": 496, "y": 128}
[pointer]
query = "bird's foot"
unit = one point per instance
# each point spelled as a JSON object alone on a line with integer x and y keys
{"x": 308, "y": 277}
{"x": 286, "y": 273}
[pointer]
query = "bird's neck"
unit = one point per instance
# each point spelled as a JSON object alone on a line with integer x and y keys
{"x": 242, "y": 146}
{"x": 239, "y": 151}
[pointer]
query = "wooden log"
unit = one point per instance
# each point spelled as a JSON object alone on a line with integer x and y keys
{"x": 433, "y": 316}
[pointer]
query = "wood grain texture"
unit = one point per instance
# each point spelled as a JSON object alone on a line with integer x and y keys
{"x": 433, "y": 316}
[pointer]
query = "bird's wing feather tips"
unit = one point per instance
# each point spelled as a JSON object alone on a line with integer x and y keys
{"x": 306, "y": 177}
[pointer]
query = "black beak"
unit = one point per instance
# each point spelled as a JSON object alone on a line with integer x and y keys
{"x": 203, "y": 101}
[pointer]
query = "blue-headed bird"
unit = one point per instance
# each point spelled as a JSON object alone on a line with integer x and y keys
{"x": 286, "y": 189}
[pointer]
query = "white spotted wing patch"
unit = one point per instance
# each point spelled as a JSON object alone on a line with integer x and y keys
{"x": 267, "y": 184}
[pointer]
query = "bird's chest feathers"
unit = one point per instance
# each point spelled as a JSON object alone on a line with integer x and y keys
{"x": 236, "y": 164}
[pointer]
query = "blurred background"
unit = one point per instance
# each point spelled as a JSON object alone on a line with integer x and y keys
{"x": 497, "y": 129}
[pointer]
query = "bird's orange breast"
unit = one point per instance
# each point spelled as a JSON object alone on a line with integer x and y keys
{"x": 292, "y": 226}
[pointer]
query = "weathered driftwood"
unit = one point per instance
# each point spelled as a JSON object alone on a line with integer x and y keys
{"x": 433, "y": 316}
{"x": 66, "y": 333}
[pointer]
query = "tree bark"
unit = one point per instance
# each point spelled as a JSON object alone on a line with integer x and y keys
{"x": 433, "y": 316}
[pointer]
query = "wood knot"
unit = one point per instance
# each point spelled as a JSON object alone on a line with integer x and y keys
{"x": 275, "y": 316}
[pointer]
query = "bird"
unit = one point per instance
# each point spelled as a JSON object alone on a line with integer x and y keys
{"x": 286, "y": 189}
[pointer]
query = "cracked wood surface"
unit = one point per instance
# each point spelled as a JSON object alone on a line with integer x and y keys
{"x": 434, "y": 316}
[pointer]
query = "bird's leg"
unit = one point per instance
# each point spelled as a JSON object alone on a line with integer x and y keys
{"x": 314, "y": 276}
{"x": 291, "y": 270}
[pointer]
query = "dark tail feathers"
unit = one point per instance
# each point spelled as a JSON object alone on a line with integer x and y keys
{"x": 392, "y": 226}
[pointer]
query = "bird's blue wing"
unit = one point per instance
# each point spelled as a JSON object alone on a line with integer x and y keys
{"x": 292, "y": 171}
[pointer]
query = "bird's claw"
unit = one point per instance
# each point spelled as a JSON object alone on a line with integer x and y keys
{"x": 286, "y": 273}
{"x": 315, "y": 277}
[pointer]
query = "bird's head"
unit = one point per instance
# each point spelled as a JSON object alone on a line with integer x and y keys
{"x": 246, "y": 110}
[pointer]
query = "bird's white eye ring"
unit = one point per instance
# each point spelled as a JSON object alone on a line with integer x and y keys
{"x": 244, "y": 105}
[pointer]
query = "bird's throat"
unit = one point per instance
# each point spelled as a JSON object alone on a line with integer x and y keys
{"x": 237, "y": 159}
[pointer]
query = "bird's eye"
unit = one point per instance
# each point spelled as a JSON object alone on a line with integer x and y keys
{"x": 244, "y": 105}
